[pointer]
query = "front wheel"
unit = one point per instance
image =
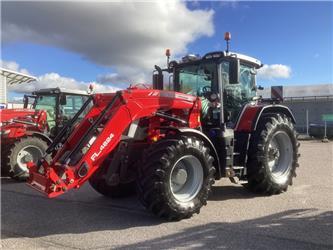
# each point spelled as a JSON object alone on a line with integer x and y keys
{"x": 273, "y": 155}
{"x": 21, "y": 152}
{"x": 175, "y": 178}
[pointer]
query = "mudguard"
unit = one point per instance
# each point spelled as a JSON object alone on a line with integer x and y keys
{"x": 202, "y": 136}
{"x": 251, "y": 114}
{"x": 40, "y": 135}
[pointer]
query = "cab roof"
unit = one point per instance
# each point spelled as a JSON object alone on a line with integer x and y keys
{"x": 60, "y": 90}
{"x": 224, "y": 54}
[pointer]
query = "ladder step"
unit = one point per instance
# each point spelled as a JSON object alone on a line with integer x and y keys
{"x": 237, "y": 167}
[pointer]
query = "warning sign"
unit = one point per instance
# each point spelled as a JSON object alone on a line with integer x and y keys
{"x": 277, "y": 92}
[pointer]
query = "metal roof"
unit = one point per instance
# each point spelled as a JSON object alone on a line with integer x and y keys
{"x": 292, "y": 91}
{"x": 14, "y": 77}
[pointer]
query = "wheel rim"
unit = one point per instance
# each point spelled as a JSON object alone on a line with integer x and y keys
{"x": 26, "y": 154}
{"x": 280, "y": 155}
{"x": 186, "y": 178}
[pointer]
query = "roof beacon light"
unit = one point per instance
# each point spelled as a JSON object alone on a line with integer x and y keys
{"x": 227, "y": 37}
{"x": 167, "y": 53}
{"x": 91, "y": 88}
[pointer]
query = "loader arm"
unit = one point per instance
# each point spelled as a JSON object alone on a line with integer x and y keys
{"x": 81, "y": 148}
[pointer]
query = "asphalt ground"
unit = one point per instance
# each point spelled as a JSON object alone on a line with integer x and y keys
{"x": 301, "y": 218}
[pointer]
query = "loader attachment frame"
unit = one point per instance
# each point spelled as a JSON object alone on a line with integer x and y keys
{"x": 80, "y": 149}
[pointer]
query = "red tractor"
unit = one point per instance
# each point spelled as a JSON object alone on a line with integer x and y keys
{"x": 26, "y": 133}
{"x": 171, "y": 145}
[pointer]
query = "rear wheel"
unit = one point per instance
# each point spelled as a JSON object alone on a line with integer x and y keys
{"x": 273, "y": 155}
{"x": 175, "y": 178}
{"x": 20, "y": 153}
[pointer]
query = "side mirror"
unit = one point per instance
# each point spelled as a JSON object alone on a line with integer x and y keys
{"x": 158, "y": 78}
{"x": 63, "y": 100}
{"x": 234, "y": 71}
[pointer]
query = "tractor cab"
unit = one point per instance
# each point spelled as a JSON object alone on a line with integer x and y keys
{"x": 225, "y": 81}
{"x": 60, "y": 105}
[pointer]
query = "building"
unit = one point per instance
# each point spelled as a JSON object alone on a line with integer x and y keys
{"x": 8, "y": 78}
{"x": 309, "y": 103}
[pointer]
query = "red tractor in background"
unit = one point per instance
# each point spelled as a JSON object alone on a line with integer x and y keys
{"x": 170, "y": 143}
{"x": 26, "y": 133}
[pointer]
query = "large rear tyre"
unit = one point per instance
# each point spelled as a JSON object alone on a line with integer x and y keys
{"x": 273, "y": 155}
{"x": 175, "y": 178}
{"x": 22, "y": 151}
{"x": 98, "y": 182}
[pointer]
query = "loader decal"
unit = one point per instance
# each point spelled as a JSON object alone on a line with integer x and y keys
{"x": 102, "y": 147}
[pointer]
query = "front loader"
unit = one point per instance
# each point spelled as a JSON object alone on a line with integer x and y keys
{"x": 170, "y": 143}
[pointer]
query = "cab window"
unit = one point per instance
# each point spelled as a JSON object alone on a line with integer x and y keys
{"x": 73, "y": 105}
{"x": 193, "y": 78}
{"x": 247, "y": 78}
{"x": 47, "y": 103}
{"x": 237, "y": 94}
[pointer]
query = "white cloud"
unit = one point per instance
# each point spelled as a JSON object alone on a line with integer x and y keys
{"x": 52, "y": 80}
{"x": 274, "y": 71}
{"x": 11, "y": 65}
{"x": 125, "y": 77}
{"x": 130, "y": 37}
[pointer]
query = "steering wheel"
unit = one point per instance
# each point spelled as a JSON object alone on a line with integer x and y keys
{"x": 206, "y": 90}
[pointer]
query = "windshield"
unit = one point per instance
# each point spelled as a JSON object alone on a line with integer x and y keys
{"x": 47, "y": 103}
{"x": 193, "y": 78}
{"x": 72, "y": 106}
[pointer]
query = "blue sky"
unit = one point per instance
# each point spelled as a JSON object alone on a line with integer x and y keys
{"x": 295, "y": 35}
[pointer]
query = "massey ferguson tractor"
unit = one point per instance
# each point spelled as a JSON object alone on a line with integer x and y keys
{"x": 26, "y": 133}
{"x": 171, "y": 142}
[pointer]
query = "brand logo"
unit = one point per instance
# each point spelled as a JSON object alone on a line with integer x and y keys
{"x": 102, "y": 147}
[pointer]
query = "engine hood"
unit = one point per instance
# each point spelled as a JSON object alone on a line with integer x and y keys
{"x": 8, "y": 114}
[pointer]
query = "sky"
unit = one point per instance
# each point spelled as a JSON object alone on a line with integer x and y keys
{"x": 114, "y": 44}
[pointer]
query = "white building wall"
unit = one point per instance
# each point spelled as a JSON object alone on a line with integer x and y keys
{"x": 3, "y": 90}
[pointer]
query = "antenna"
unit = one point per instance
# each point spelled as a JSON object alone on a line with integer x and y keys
{"x": 227, "y": 38}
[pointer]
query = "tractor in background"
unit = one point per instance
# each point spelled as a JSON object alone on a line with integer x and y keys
{"x": 171, "y": 142}
{"x": 26, "y": 133}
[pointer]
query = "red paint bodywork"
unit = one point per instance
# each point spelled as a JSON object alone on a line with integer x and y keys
{"x": 56, "y": 178}
{"x": 8, "y": 114}
{"x": 248, "y": 117}
{"x": 16, "y": 123}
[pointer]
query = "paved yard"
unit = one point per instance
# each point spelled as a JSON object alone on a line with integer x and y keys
{"x": 302, "y": 218}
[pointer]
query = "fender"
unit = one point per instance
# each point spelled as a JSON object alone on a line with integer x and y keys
{"x": 40, "y": 135}
{"x": 209, "y": 143}
{"x": 251, "y": 114}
